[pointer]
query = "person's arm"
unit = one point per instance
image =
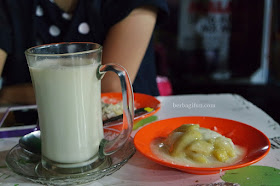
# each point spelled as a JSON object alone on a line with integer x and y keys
{"x": 3, "y": 56}
{"x": 15, "y": 94}
{"x": 126, "y": 44}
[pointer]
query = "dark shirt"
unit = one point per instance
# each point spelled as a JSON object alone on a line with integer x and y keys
{"x": 26, "y": 23}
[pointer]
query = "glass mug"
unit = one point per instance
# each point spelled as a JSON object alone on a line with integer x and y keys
{"x": 67, "y": 82}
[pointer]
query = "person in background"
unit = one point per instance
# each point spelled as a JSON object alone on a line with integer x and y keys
{"x": 123, "y": 27}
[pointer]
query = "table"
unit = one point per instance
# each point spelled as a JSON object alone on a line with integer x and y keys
{"x": 141, "y": 171}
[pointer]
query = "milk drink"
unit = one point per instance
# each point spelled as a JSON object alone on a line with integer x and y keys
{"x": 69, "y": 108}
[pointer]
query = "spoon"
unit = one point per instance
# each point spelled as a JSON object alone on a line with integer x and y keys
{"x": 32, "y": 141}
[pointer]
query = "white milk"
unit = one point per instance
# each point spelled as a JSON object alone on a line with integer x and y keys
{"x": 69, "y": 108}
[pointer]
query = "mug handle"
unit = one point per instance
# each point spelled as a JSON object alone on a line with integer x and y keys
{"x": 108, "y": 147}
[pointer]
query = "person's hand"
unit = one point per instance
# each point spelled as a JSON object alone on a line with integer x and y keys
{"x": 22, "y": 94}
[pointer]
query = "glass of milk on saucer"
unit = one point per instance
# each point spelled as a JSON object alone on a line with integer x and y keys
{"x": 67, "y": 82}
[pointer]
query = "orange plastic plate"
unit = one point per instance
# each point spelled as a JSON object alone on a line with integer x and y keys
{"x": 140, "y": 101}
{"x": 256, "y": 143}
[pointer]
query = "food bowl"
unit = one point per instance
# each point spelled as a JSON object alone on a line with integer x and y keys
{"x": 255, "y": 143}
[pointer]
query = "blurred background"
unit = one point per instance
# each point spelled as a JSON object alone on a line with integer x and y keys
{"x": 222, "y": 46}
{"x": 219, "y": 46}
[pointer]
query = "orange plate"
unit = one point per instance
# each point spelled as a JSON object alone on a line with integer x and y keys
{"x": 140, "y": 101}
{"x": 257, "y": 145}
